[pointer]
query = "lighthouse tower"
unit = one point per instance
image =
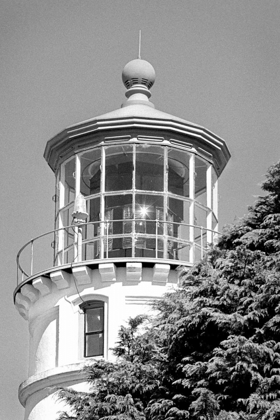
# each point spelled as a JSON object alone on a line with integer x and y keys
{"x": 136, "y": 197}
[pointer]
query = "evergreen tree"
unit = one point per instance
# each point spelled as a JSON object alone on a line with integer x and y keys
{"x": 213, "y": 351}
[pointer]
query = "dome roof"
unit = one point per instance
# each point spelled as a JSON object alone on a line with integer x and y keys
{"x": 137, "y": 114}
{"x": 137, "y": 110}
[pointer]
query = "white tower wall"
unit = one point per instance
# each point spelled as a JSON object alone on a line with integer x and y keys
{"x": 56, "y": 324}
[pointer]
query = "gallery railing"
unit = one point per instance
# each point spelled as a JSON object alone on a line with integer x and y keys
{"x": 129, "y": 238}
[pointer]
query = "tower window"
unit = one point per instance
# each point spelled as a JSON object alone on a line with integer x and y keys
{"x": 93, "y": 328}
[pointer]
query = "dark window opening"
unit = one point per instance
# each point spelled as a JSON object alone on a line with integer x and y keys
{"x": 93, "y": 328}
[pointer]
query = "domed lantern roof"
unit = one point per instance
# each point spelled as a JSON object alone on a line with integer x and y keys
{"x": 136, "y": 113}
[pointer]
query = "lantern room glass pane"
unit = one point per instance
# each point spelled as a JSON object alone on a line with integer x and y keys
{"x": 178, "y": 218}
{"x": 118, "y": 212}
{"x": 178, "y": 172}
{"x": 149, "y": 226}
{"x": 214, "y": 223}
{"x": 90, "y": 172}
{"x": 116, "y": 207}
{"x": 69, "y": 181}
{"x": 200, "y": 216}
{"x": 149, "y": 167}
{"x": 149, "y": 207}
{"x": 148, "y": 210}
{"x": 119, "y": 168}
{"x": 200, "y": 180}
{"x": 93, "y": 208}
{"x": 92, "y": 230}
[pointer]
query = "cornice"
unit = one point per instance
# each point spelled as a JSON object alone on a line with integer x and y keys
{"x": 92, "y": 132}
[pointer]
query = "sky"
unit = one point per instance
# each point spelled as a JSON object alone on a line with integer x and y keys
{"x": 217, "y": 64}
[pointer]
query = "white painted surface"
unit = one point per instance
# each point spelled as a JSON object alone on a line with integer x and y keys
{"x": 56, "y": 327}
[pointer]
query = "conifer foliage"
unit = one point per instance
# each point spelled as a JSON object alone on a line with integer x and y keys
{"x": 213, "y": 351}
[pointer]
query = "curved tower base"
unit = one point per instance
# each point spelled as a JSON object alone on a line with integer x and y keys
{"x": 53, "y": 305}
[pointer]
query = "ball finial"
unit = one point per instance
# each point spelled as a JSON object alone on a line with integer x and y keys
{"x": 138, "y": 72}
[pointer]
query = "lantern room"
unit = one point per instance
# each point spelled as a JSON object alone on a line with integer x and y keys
{"x": 148, "y": 182}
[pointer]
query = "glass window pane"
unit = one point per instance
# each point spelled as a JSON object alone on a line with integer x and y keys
{"x": 118, "y": 212}
{"x": 178, "y": 172}
{"x": 94, "y": 345}
{"x": 179, "y": 209}
{"x": 178, "y": 217}
{"x": 148, "y": 210}
{"x": 214, "y": 223}
{"x": 91, "y": 250}
{"x": 91, "y": 232}
{"x": 94, "y": 209}
{"x": 94, "y": 328}
{"x": 200, "y": 215}
{"x": 117, "y": 208}
{"x": 149, "y": 168}
{"x": 66, "y": 215}
{"x": 178, "y": 227}
{"x": 119, "y": 168}
{"x": 149, "y": 217}
{"x": 66, "y": 218}
{"x": 90, "y": 172}
{"x": 94, "y": 319}
{"x": 200, "y": 180}
{"x": 69, "y": 181}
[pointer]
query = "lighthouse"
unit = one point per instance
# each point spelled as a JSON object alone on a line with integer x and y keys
{"x": 136, "y": 197}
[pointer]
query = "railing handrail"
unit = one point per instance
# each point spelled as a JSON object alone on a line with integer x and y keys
{"x": 99, "y": 222}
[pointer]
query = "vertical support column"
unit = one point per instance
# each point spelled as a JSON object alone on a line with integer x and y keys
{"x": 165, "y": 202}
{"x": 77, "y": 239}
{"x": 77, "y": 175}
{"x": 209, "y": 220}
{"x": 192, "y": 201}
{"x": 61, "y": 233}
{"x": 102, "y": 203}
{"x": 215, "y": 199}
{"x": 133, "y": 202}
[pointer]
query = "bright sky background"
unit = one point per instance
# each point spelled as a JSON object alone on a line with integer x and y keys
{"x": 217, "y": 64}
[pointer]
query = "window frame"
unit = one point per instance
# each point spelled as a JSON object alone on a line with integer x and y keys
{"x": 87, "y": 305}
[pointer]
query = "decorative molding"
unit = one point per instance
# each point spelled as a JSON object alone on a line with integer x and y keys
{"x": 43, "y": 284}
{"x": 140, "y": 300}
{"x": 22, "y": 301}
{"x": 61, "y": 278}
{"x": 107, "y": 272}
{"x": 82, "y": 274}
{"x": 134, "y": 271}
{"x": 160, "y": 273}
{"x": 22, "y": 305}
{"x": 30, "y": 292}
